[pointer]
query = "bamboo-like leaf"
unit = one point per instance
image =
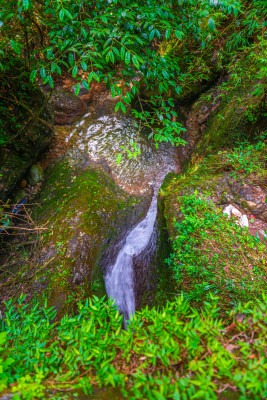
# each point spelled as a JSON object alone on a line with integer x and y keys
{"x": 211, "y": 25}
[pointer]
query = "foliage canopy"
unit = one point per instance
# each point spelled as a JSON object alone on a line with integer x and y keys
{"x": 164, "y": 46}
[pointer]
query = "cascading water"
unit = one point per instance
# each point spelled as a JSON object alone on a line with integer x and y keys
{"x": 103, "y": 137}
{"x": 119, "y": 277}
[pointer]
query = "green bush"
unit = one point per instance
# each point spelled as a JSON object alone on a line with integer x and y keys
{"x": 172, "y": 353}
{"x": 213, "y": 254}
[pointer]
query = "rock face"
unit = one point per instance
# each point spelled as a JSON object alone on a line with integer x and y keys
{"x": 84, "y": 213}
{"x": 18, "y": 156}
{"x": 211, "y": 251}
{"x": 218, "y": 119}
{"x": 66, "y": 107}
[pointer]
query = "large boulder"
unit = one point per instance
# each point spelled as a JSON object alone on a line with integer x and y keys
{"x": 219, "y": 119}
{"x": 84, "y": 214}
{"x": 66, "y": 107}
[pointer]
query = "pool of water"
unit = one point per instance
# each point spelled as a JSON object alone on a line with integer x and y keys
{"x": 103, "y": 137}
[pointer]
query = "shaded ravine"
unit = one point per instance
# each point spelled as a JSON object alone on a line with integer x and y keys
{"x": 119, "y": 277}
{"x": 102, "y": 135}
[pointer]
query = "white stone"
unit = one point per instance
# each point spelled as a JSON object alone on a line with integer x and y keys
{"x": 244, "y": 221}
{"x": 227, "y": 210}
{"x": 236, "y": 212}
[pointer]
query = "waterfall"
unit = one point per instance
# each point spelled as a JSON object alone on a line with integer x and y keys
{"x": 119, "y": 276}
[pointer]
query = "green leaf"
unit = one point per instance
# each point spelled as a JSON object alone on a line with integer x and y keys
{"x": 136, "y": 62}
{"x": 68, "y": 14}
{"x": 71, "y": 59}
{"x": 26, "y": 4}
{"x": 117, "y": 106}
{"x": 107, "y": 42}
{"x": 211, "y": 25}
{"x": 50, "y": 81}
{"x": 97, "y": 77}
{"x": 113, "y": 91}
{"x": 127, "y": 57}
{"x": 84, "y": 66}
{"x": 61, "y": 14}
{"x": 15, "y": 46}
{"x": 43, "y": 73}
{"x": 122, "y": 53}
{"x": 85, "y": 84}
{"x": 179, "y": 34}
{"x": 112, "y": 58}
{"x": 116, "y": 51}
{"x": 49, "y": 53}
{"x": 33, "y": 75}
{"x": 77, "y": 90}
{"x": 158, "y": 33}
{"x": 123, "y": 108}
{"x": 74, "y": 71}
{"x": 84, "y": 32}
{"x": 119, "y": 158}
{"x": 152, "y": 34}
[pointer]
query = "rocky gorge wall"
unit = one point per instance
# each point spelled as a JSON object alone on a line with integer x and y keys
{"x": 84, "y": 214}
{"x": 216, "y": 209}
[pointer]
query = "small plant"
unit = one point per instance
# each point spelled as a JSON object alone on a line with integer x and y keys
{"x": 134, "y": 152}
{"x": 248, "y": 158}
{"x": 172, "y": 353}
{"x": 213, "y": 255}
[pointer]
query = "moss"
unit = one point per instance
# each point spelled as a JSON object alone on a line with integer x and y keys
{"x": 83, "y": 212}
{"x": 239, "y": 116}
{"x": 222, "y": 246}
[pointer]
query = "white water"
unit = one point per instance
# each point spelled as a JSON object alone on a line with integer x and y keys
{"x": 103, "y": 137}
{"x": 119, "y": 277}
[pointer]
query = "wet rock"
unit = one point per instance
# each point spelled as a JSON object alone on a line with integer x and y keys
{"x": 7, "y": 396}
{"x": 216, "y": 120}
{"x": 252, "y": 197}
{"x": 35, "y": 174}
{"x": 84, "y": 213}
{"x": 23, "y": 183}
{"x": 66, "y": 107}
{"x": 18, "y": 196}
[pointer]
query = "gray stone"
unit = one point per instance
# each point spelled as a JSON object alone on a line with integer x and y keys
{"x": 35, "y": 175}
{"x": 18, "y": 196}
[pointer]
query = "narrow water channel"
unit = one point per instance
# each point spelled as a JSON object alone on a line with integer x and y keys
{"x": 103, "y": 137}
{"x": 119, "y": 277}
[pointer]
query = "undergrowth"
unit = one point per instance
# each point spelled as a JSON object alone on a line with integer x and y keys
{"x": 213, "y": 254}
{"x": 172, "y": 353}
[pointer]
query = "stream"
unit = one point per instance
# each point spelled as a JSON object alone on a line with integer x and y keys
{"x": 119, "y": 276}
{"x": 103, "y": 138}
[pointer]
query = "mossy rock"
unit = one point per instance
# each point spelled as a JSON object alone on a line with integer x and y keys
{"x": 238, "y": 118}
{"x": 210, "y": 253}
{"x": 84, "y": 214}
{"x": 223, "y": 117}
{"x": 35, "y": 174}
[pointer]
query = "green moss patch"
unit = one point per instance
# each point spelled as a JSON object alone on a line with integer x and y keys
{"x": 210, "y": 253}
{"x": 83, "y": 212}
